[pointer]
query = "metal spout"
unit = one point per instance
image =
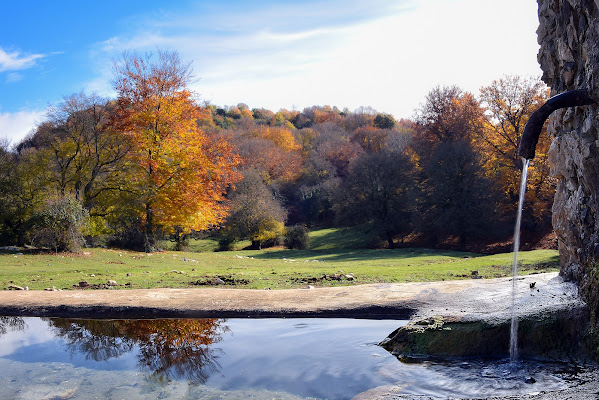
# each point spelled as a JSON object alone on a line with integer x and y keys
{"x": 532, "y": 130}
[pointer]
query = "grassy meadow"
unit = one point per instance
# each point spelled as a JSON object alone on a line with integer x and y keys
{"x": 333, "y": 255}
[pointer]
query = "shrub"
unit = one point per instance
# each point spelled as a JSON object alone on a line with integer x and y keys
{"x": 297, "y": 237}
{"x": 225, "y": 243}
{"x": 60, "y": 224}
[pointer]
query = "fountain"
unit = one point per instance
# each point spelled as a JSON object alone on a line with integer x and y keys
{"x": 528, "y": 143}
{"x": 514, "y": 322}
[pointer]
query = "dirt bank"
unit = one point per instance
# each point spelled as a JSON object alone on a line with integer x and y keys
{"x": 473, "y": 298}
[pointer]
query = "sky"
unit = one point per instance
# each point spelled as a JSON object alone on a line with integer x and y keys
{"x": 385, "y": 54}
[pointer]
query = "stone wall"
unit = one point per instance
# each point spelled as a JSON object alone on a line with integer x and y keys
{"x": 569, "y": 57}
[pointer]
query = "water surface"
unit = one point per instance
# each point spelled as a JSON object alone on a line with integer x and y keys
{"x": 54, "y": 358}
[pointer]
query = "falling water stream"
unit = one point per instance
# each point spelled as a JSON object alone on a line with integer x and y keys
{"x": 514, "y": 324}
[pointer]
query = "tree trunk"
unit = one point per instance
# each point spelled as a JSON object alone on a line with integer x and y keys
{"x": 389, "y": 237}
{"x": 149, "y": 238}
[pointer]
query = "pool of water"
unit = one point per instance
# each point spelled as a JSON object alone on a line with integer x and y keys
{"x": 53, "y": 358}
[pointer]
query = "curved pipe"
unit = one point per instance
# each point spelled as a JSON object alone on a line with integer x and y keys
{"x": 532, "y": 130}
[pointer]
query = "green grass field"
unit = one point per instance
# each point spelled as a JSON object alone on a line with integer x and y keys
{"x": 325, "y": 265}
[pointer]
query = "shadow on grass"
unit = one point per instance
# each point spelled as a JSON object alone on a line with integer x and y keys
{"x": 346, "y": 255}
{"x": 345, "y": 238}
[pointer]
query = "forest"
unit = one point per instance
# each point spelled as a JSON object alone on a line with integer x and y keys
{"x": 157, "y": 163}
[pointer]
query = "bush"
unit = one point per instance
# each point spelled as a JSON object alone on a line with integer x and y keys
{"x": 60, "y": 224}
{"x": 297, "y": 237}
{"x": 226, "y": 243}
{"x": 277, "y": 240}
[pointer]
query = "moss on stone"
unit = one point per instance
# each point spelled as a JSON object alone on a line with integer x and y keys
{"x": 556, "y": 336}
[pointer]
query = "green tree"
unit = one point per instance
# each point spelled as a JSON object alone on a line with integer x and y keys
{"x": 379, "y": 192}
{"x": 22, "y": 191}
{"x": 384, "y": 121}
{"x": 458, "y": 198}
{"x": 255, "y": 213}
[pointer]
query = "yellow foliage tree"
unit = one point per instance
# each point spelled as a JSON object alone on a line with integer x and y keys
{"x": 509, "y": 102}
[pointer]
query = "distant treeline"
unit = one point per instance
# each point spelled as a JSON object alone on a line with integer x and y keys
{"x": 154, "y": 163}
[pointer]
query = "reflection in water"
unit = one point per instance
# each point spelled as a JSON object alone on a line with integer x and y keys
{"x": 11, "y": 324}
{"x": 168, "y": 348}
{"x": 288, "y": 359}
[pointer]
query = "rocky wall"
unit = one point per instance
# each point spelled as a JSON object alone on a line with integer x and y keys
{"x": 569, "y": 56}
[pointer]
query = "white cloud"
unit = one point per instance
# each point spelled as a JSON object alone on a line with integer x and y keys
{"x": 388, "y": 55}
{"x": 16, "y": 61}
{"x": 13, "y": 77}
{"x": 15, "y": 126}
{"x": 390, "y": 62}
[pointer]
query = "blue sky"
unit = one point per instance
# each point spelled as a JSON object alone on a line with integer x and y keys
{"x": 387, "y": 54}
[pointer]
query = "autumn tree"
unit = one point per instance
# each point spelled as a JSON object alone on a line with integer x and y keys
{"x": 181, "y": 173}
{"x": 335, "y": 146}
{"x": 509, "y": 102}
{"x": 166, "y": 348}
{"x": 371, "y": 139}
{"x": 457, "y": 198}
{"x": 449, "y": 114}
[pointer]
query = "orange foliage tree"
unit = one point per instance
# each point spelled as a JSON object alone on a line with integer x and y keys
{"x": 167, "y": 348}
{"x": 370, "y": 138}
{"x": 181, "y": 174}
{"x": 509, "y": 103}
{"x": 273, "y": 151}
